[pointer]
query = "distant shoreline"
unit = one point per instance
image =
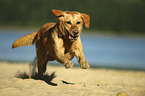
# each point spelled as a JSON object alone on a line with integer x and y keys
{"x": 91, "y": 66}
{"x": 91, "y": 31}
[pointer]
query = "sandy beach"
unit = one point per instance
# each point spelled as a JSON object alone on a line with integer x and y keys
{"x": 71, "y": 82}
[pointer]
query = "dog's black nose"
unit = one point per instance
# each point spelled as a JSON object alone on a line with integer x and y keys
{"x": 75, "y": 32}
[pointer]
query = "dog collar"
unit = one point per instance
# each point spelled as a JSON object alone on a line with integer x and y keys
{"x": 60, "y": 34}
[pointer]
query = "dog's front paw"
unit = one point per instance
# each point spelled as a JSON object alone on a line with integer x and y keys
{"x": 84, "y": 65}
{"x": 68, "y": 64}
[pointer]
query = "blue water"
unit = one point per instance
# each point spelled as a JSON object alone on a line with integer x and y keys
{"x": 101, "y": 51}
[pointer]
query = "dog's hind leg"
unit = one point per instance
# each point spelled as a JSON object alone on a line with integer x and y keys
{"x": 49, "y": 58}
{"x": 41, "y": 57}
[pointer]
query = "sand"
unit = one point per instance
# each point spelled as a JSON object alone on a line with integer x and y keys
{"x": 71, "y": 82}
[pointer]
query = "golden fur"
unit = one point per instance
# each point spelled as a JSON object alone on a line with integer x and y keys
{"x": 58, "y": 41}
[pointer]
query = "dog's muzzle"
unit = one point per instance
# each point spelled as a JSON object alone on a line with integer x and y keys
{"x": 74, "y": 36}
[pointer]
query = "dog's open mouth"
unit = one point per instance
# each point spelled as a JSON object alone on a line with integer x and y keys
{"x": 73, "y": 37}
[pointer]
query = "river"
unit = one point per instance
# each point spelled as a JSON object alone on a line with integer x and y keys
{"x": 99, "y": 50}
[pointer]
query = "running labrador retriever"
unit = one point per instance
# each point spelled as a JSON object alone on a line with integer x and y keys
{"x": 58, "y": 41}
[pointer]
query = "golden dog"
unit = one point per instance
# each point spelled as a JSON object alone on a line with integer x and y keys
{"x": 58, "y": 41}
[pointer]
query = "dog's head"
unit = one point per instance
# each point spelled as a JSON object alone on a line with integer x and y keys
{"x": 71, "y": 23}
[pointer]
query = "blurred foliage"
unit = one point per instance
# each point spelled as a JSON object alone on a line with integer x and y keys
{"x": 116, "y": 15}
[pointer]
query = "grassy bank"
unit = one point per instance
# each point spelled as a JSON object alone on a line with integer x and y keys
{"x": 118, "y": 15}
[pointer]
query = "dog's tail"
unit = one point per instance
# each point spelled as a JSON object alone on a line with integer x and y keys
{"x": 25, "y": 40}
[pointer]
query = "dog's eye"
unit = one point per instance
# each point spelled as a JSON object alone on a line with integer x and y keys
{"x": 68, "y": 22}
{"x": 78, "y": 22}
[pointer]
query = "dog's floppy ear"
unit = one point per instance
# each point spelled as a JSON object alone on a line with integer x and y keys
{"x": 57, "y": 13}
{"x": 86, "y": 19}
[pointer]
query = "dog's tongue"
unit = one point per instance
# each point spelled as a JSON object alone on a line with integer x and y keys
{"x": 72, "y": 38}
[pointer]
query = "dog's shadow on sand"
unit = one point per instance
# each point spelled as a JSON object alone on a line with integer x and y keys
{"x": 46, "y": 78}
